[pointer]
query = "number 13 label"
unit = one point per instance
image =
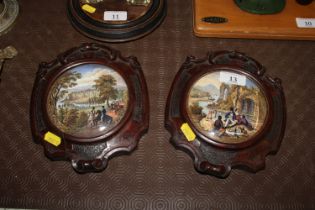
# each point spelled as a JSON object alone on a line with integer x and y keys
{"x": 115, "y": 15}
{"x": 232, "y": 78}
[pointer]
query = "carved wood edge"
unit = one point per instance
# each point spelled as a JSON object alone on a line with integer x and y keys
{"x": 96, "y": 154}
{"x": 251, "y": 158}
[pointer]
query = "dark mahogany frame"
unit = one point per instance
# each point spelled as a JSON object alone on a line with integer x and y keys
{"x": 213, "y": 157}
{"x": 91, "y": 155}
{"x": 130, "y": 30}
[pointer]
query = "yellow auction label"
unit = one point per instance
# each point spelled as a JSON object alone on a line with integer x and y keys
{"x": 52, "y": 138}
{"x": 88, "y": 8}
{"x": 188, "y": 132}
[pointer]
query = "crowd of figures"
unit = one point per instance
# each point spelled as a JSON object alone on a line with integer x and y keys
{"x": 233, "y": 124}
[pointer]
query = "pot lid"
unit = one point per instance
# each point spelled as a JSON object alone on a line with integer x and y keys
{"x": 261, "y": 6}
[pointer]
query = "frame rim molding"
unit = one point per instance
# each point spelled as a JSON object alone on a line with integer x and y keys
{"x": 219, "y": 159}
{"x": 92, "y": 154}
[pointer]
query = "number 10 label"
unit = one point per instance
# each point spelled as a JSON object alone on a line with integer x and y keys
{"x": 115, "y": 15}
{"x": 305, "y": 22}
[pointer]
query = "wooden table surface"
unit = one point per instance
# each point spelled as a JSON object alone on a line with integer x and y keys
{"x": 155, "y": 175}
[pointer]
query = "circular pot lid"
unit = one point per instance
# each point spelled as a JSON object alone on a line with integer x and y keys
{"x": 87, "y": 101}
{"x": 116, "y": 21}
{"x": 227, "y": 107}
{"x": 261, "y": 7}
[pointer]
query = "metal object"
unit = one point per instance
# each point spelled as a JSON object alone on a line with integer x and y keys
{"x": 7, "y": 53}
{"x": 214, "y": 19}
{"x": 261, "y": 7}
{"x": 138, "y": 2}
{"x": 91, "y": 1}
{"x": 9, "y": 10}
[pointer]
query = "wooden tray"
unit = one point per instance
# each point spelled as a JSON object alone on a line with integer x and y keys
{"x": 246, "y": 25}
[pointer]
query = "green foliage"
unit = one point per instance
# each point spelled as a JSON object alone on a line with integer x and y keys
{"x": 125, "y": 96}
{"x": 61, "y": 114}
{"x": 82, "y": 119}
{"x": 195, "y": 108}
{"x": 105, "y": 84}
{"x": 59, "y": 90}
{"x": 196, "y": 93}
{"x": 71, "y": 118}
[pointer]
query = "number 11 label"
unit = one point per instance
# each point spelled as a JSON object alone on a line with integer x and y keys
{"x": 115, "y": 15}
{"x": 305, "y": 22}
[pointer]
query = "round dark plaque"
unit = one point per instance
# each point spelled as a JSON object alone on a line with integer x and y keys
{"x": 89, "y": 104}
{"x": 226, "y": 112}
{"x": 116, "y": 20}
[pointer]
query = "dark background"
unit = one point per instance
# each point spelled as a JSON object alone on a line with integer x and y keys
{"x": 155, "y": 175}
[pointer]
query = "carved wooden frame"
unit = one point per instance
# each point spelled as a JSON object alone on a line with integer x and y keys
{"x": 92, "y": 155}
{"x": 212, "y": 157}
